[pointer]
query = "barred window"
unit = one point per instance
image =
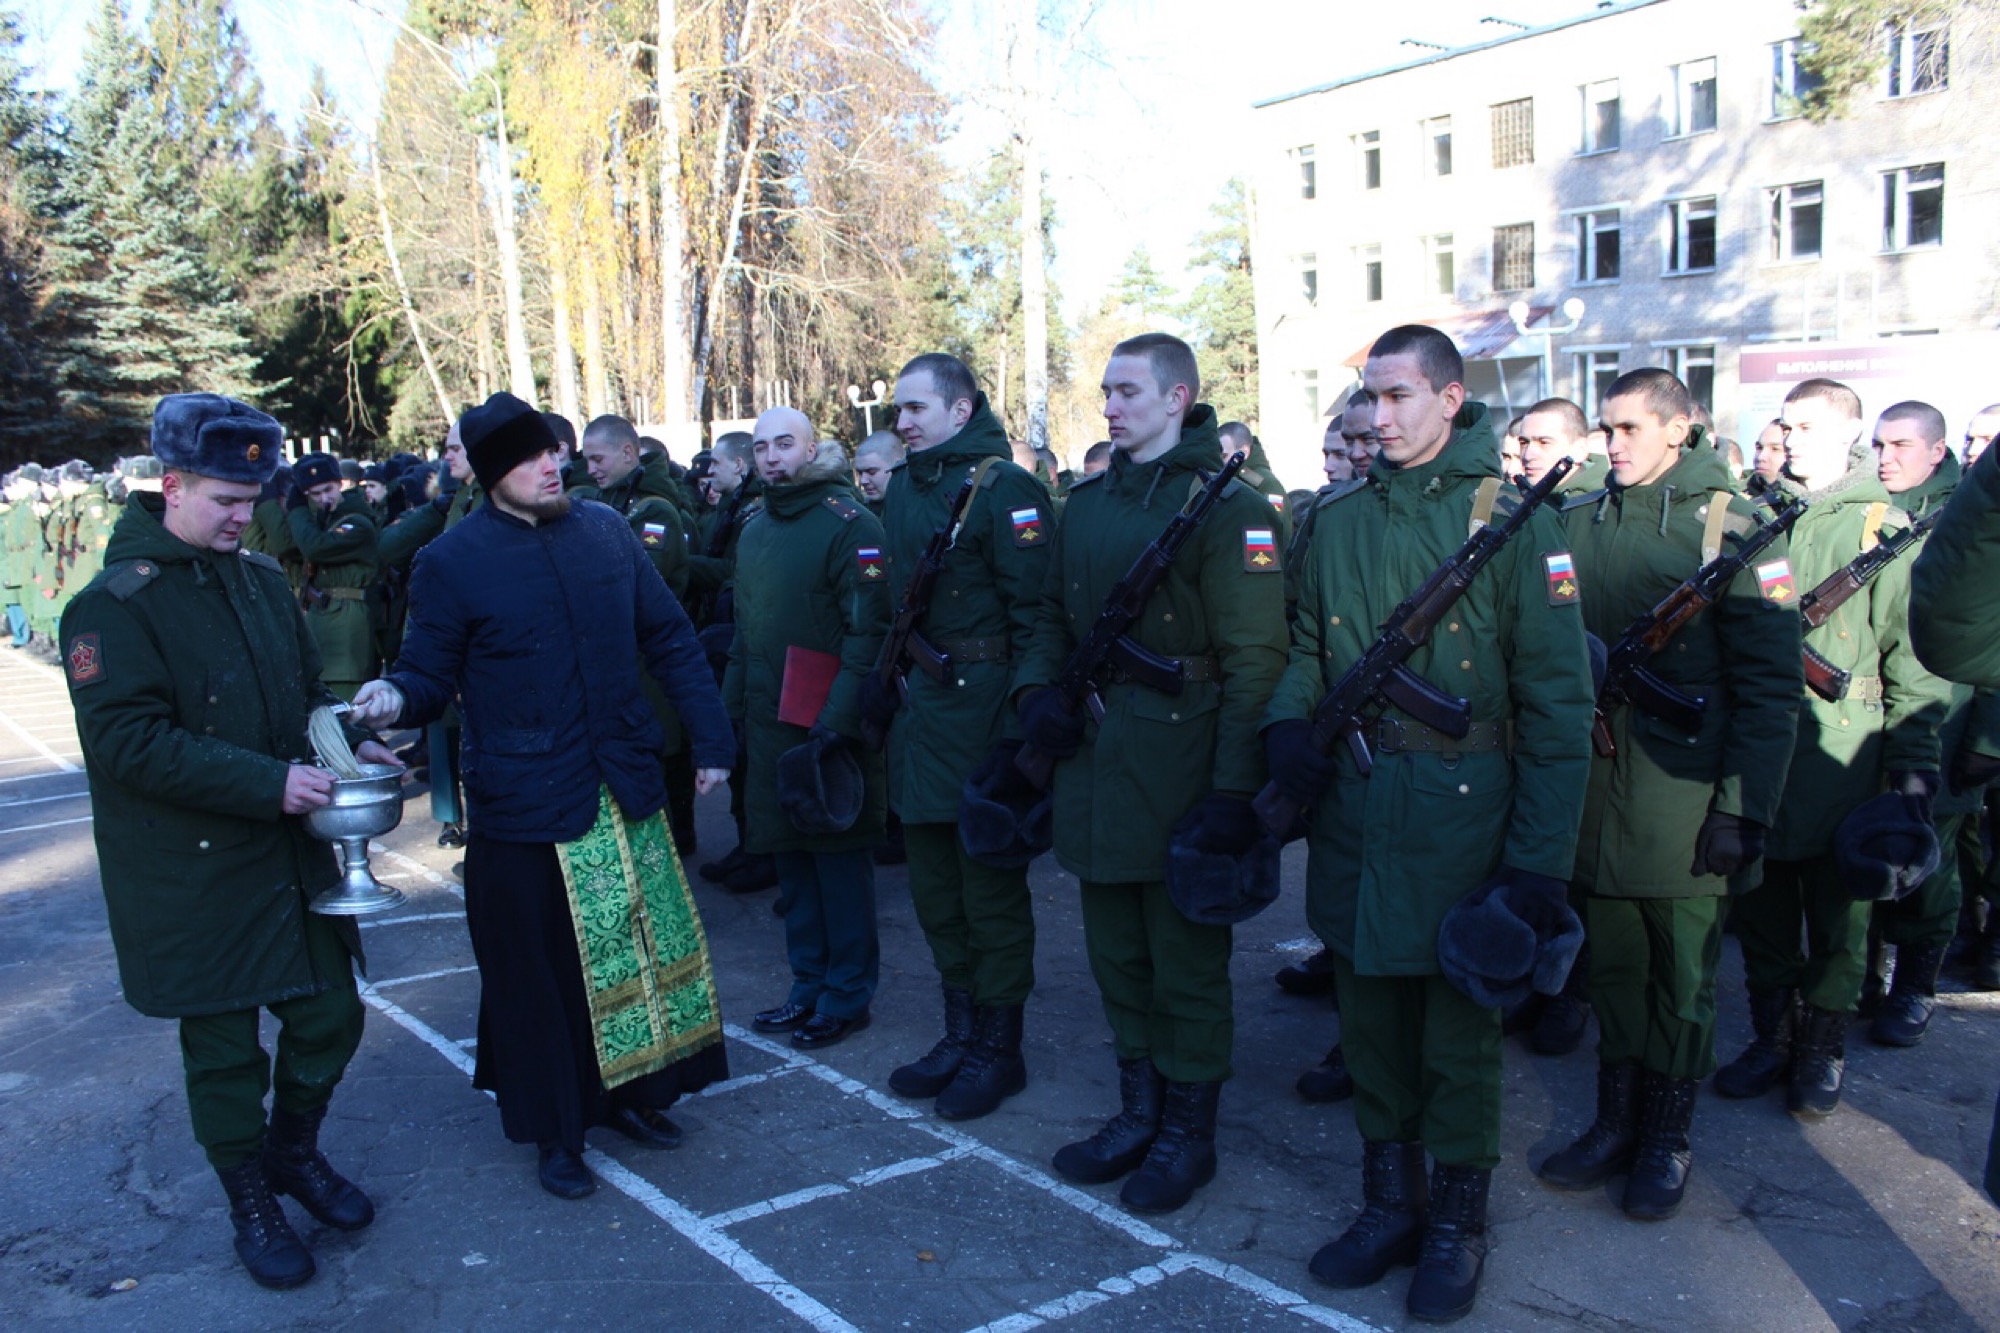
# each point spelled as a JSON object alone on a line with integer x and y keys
{"x": 1514, "y": 133}
{"x": 1514, "y": 257}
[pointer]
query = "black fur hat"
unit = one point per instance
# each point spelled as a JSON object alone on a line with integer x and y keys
{"x": 1497, "y": 943}
{"x": 820, "y": 785}
{"x": 1214, "y": 887}
{"x": 316, "y": 470}
{"x": 1003, "y": 821}
{"x": 501, "y": 434}
{"x": 1886, "y": 848}
{"x": 213, "y": 436}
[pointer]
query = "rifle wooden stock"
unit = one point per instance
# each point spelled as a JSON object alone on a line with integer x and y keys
{"x": 1834, "y": 591}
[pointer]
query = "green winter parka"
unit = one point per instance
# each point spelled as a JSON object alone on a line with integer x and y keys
{"x": 990, "y": 590}
{"x": 338, "y": 546}
{"x": 1633, "y": 546}
{"x": 1889, "y": 720}
{"x": 1390, "y": 854}
{"x": 1154, "y": 755}
{"x": 192, "y": 674}
{"x": 650, "y": 499}
{"x": 1952, "y": 607}
{"x": 809, "y": 574}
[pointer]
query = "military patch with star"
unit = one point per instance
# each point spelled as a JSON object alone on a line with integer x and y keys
{"x": 1027, "y": 526}
{"x": 1775, "y": 581}
{"x": 869, "y": 558}
{"x": 1260, "y": 550}
{"x": 85, "y": 660}
{"x": 652, "y": 534}
{"x": 1561, "y": 570}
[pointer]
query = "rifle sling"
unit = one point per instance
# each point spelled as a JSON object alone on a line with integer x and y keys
{"x": 1711, "y": 531}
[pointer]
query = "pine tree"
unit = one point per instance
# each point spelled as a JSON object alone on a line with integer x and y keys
{"x": 1221, "y": 314}
{"x": 25, "y": 401}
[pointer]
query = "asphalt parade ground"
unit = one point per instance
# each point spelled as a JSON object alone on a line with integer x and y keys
{"x": 808, "y": 1195}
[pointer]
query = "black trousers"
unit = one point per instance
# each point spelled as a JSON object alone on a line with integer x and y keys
{"x": 535, "y": 1052}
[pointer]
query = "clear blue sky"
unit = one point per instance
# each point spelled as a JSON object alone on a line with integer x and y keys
{"x": 1144, "y": 124}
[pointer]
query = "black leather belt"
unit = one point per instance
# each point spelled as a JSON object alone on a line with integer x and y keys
{"x": 1199, "y": 669}
{"x": 1393, "y": 734}
{"x": 964, "y": 652}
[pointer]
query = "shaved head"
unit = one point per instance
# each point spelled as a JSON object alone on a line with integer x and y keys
{"x": 783, "y": 443}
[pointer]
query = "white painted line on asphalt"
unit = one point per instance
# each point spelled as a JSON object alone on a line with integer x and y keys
{"x": 766, "y": 1207}
{"x": 54, "y": 823}
{"x": 426, "y": 976}
{"x": 417, "y": 868}
{"x": 83, "y": 795}
{"x": 909, "y": 1166}
{"x": 1076, "y": 1302}
{"x": 27, "y": 759}
{"x": 369, "y": 923}
{"x": 419, "y": 1029}
{"x": 35, "y": 777}
{"x": 1266, "y": 1290}
{"x": 749, "y": 1080}
{"x": 37, "y": 746}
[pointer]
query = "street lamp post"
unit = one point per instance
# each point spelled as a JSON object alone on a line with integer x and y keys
{"x": 1572, "y": 310}
{"x": 867, "y": 405}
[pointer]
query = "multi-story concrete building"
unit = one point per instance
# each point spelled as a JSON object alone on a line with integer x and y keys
{"x": 1647, "y": 160}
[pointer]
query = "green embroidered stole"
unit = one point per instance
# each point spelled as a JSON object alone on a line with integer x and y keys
{"x": 645, "y": 957}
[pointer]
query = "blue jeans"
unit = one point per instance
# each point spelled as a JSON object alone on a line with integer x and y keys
{"x": 830, "y": 937}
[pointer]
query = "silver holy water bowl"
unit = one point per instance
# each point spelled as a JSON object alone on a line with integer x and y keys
{"x": 362, "y": 808}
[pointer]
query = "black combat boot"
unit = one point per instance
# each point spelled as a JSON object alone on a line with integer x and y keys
{"x": 1660, "y": 1168}
{"x": 265, "y": 1241}
{"x": 1774, "y": 1016}
{"x": 1390, "y": 1228}
{"x": 993, "y": 1069}
{"x": 1122, "y": 1143}
{"x": 1327, "y": 1081}
{"x": 1182, "y": 1158}
{"x": 1606, "y": 1148}
{"x": 1906, "y": 1011}
{"x": 929, "y": 1074}
{"x": 1565, "y": 1017}
{"x": 1454, "y": 1251}
{"x": 1986, "y": 956}
{"x": 296, "y": 1166}
{"x": 1821, "y": 1060}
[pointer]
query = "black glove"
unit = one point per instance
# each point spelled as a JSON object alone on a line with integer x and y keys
{"x": 827, "y": 738}
{"x": 1971, "y": 770}
{"x": 1922, "y": 784}
{"x": 1048, "y": 724}
{"x": 879, "y": 701}
{"x": 1300, "y": 768}
{"x": 1225, "y": 825}
{"x": 447, "y": 479}
{"x": 1726, "y": 844}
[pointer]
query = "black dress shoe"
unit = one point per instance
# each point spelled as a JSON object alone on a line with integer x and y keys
{"x": 825, "y": 1030}
{"x": 784, "y": 1018}
{"x": 564, "y": 1174}
{"x": 646, "y": 1127}
{"x": 1314, "y": 976}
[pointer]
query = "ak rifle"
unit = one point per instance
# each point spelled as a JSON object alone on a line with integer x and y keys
{"x": 1109, "y": 645}
{"x": 1627, "y": 677}
{"x": 1382, "y": 677}
{"x": 1826, "y": 680}
{"x": 903, "y": 639}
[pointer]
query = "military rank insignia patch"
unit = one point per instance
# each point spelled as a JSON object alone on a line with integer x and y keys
{"x": 1260, "y": 550}
{"x": 1562, "y": 577}
{"x": 1277, "y": 502}
{"x": 1027, "y": 526}
{"x": 869, "y": 558}
{"x": 1775, "y": 581}
{"x": 652, "y": 534}
{"x": 85, "y": 660}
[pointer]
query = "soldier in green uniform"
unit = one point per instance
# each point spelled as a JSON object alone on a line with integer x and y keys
{"x": 1918, "y": 469}
{"x": 1882, "y": 734}
{"x": 1670, "y": 813}
{"x": 1152, "y": 759}
{"x": 1237, "y": 438}
{"x": 812, "y": 604}
{"x": 20, "y": 531}
{"x": 192, "y": 673}
{"x": 336, "y": 539}
{"x": 874, "y": 459}
{"x": 977, "y": 918}
{"x": 1390, "y": 854}
{"x": 1555, "y": 428}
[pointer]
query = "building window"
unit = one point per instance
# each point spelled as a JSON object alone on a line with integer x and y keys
{"x": 1308, "y": 271}
{"x": 1694, "y": 97}
{"x": 1919, "y": 60}
{"x": 1696, "y": 368}
{"x": 1691, "y": 235}
{"x": 1797, "y": 212}
{"x": 1369, "y": 260}
{"x": 1597, "y": 246}
{"x": 1595, "y": 372}
{"x": 1514, "y": 257}
{"x": 1600, "y": 117}
{"x": 1514, "y": 133}
{"x": 1789, "y": 83}
{"x": 1368, "y": 147}
{"x": 1443, "y": 267}
{"x": 1308, "y": 390}
{"x": 1913, "y": 207}
{"x": 1437, "y": 134}
{"x": 1308, "y": 167}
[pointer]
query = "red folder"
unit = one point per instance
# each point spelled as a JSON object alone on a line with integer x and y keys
{"x": 808, "y": 680}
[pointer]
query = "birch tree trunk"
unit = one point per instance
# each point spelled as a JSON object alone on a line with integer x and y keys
{"x": 403, "y": 285}
{"x": 564, "y": 377}
{"x": 675, "y": 406}
{"x": 596, "y": 375}
{"x": 500, "y": 196}
{"x": 1034, "y": 272}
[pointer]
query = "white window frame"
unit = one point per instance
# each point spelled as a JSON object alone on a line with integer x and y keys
{"x": 1494, "y": 275}
{"x": 1492, "y": 115}
{"x": 1583, "y": 367}
{"x": 1783, "y": 96}
{"x": 1367, "y": 152}
{"x": 1677, "y": 239}
{"x": 1780, "y": 204}
{"x": 1368, "y": 257}
{"x": 1588, "y": 229}
{"x": 1906, "y": 65}
{"x": 1306, "y": 159}
{"x": 1590, "y": 97}
{"x": 1681, "y": 356}
{"x": 1440, "y": 245}
{"x": 1434, "y": 129}
{"x": 1684, "y": 86}
{"x": 1896, "y": 192}
{"x": 1305, "y": 268}
{"x": 1307, "y": 383}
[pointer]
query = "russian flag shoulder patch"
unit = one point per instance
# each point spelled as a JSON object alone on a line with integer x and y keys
{"x": 1561, "y": 571}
